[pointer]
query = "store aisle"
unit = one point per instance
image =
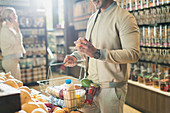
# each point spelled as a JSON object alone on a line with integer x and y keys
{"x": 128, "y": 109}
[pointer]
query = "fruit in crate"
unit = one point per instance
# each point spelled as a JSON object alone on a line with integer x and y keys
{"x": 2, "y": 78}
{"x": 66, "y": 110}
{"x": 42, "y": 106}
{"x": 86, "y": 82}
{"x": 26, "y": 88}
{"x": 20, "y": 83}
{"x": 48, "y": 104}
{"x": 61, "y": 96}
{"x": 39, "y": 110}
{"x": 49, "y": 110}
{"x": 29, "y": 107}
{"x": 59, "y": 111}
{"x": 7, "y": 75}
{"x": 12, "y": 83}
{"x": 25, "y": 96}
{"x": 54, "y": 107}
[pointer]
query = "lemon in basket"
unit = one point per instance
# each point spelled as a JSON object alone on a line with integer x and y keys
{"x": 86, "y": 82}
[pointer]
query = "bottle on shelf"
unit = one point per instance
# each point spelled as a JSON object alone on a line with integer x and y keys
{"x": 142, "y": 73}
{"x": 148, "y": 76}
{"x": 69, "y": 94}
{"x": 165, "y": 79}
{"x": 156, "y": 77}
{"x": 135, "y": 72}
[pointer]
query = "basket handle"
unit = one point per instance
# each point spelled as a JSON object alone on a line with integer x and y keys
{"x": 50, "y": 75}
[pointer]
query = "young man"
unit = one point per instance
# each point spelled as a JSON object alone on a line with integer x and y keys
{"x": 111, "y": 43}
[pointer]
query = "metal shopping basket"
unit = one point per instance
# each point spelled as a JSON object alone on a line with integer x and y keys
{"x": 53, "y": 88}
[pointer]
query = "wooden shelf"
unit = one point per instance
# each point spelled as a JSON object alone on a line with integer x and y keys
{"x": 155, "y": 47}
{"x": 154, "y": 62}
{"x": 150, "y": 7}
{"x": 156, "y": 24}
{"x": 149, "y": 88}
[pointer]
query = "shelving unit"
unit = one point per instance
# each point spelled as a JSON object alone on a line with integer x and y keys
{"x": 32, "y": 24}
{"x": 154, "y": 31}
{"x": 35, "y": 62}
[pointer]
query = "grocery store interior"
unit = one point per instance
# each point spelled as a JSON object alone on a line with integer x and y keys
{"x": 49, "y": 29}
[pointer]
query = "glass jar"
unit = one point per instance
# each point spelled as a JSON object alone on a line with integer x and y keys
{"x": 165, "y": 85}
{"x": 148, "y": 75}
{"x": 156, "y": 81}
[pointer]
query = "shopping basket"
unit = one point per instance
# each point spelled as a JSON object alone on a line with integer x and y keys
{"x": 52, "y": 87}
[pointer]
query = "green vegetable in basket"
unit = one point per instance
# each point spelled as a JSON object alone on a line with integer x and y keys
{"x": 86, "y": 82}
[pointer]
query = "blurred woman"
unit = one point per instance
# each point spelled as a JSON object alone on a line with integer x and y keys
{"x": 11, "y": 42}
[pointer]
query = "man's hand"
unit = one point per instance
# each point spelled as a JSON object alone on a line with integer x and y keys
{"x": 70, "y": 61}
{"x": 85, "y": 47}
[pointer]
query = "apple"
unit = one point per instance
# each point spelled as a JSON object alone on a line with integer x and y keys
{"x": 48, "y": 104}
{"x": 57, "y": 108}
{"x": 66, "y": 110}
{"x": 54, "y": 107}
{"x": 49, "y": 110}
{"x": 61, "y": 96}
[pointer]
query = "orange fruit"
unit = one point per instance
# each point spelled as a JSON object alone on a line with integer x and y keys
{"x": 7, "y": 74}
{"x": 26, "y": 88}
{"x": 11, "y": 77}
{"x": 2, "y": 78}
{"x": 20, "y": 83}
{"x": 12, "y": 83}
{"x": 66, "y": 110}
{"x": 42, "y": 106}
{"x": 39, "y": 110}
{"x": 59, "y": 111}
{"x": 29, "y": 107}
{"x": 39, "y": 98}
{"x": 25, "y": 96}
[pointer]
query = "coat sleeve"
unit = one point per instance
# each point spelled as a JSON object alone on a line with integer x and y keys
{"x": 129, "y": 38}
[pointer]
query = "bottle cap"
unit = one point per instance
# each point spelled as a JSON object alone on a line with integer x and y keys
{"x": 68, "y": 81}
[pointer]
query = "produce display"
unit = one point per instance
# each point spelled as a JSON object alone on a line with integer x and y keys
{"x": 30, "y": 101}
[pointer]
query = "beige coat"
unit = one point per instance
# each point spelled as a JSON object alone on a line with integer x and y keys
{"x": 118, "y": 36}
{"x": 10, "y": 41}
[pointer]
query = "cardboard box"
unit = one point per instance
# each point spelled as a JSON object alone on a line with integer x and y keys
{"x": 9, "y": 99}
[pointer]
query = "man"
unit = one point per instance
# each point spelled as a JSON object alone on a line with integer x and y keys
{"x": 111, "y": 43}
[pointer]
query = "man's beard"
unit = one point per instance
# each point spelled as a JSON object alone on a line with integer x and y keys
{"x": 101, "y": 5}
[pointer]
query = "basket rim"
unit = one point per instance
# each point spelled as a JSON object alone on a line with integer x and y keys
{"x": 40, "y": 81}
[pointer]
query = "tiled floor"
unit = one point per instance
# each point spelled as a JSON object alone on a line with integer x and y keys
{"x": 128, "y": 109}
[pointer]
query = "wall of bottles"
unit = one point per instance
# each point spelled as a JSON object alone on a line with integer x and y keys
{"x": 155, "y": 36}
{"x": 151, "y": 74}
{"x": 153, "y": 18}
